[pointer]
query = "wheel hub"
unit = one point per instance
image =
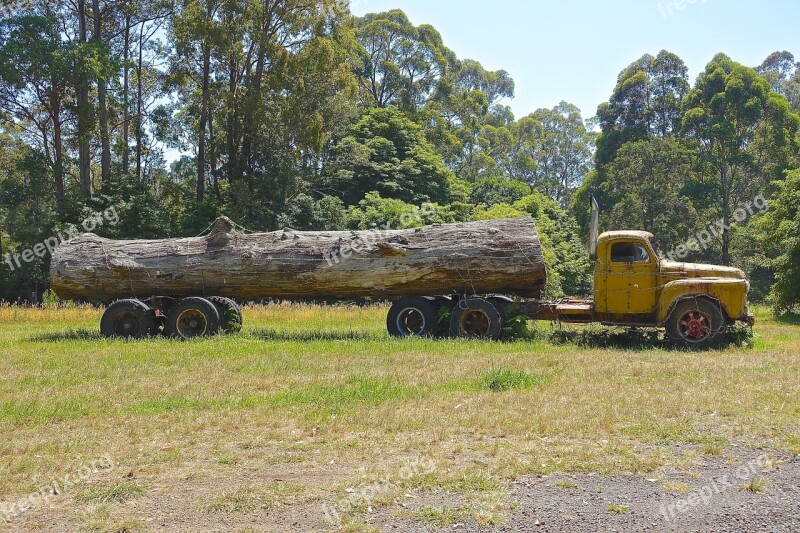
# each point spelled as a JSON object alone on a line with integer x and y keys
{"x": 476, "y": 323}
{"x": 411, "y": 321}
{"x": 695, "y": 326}
{"x": 126, "y": 325}
{"x": 191, "y": 323}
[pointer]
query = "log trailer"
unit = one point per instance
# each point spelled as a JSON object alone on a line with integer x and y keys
{"x": 187, "y": 288}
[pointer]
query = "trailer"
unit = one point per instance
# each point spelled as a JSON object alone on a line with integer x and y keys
{"x": 474, "y": 271}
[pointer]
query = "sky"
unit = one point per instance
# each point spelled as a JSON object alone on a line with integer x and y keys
{"x": 574, "y": 50}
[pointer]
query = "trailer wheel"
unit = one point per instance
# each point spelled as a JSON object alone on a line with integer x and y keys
{"x": 696, "y": 323}
{"x": 412, "y": 316}
{"x": 128, "y": 319}
{"x": 477, "y": 319}
{"x": 502, "y": 304}
{"x": 193, "y": 317}
{"x": 230, "y": 312}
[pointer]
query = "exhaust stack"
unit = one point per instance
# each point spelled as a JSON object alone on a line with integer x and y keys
{"x": 594, "y": 229}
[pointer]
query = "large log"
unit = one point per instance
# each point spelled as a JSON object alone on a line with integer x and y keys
{"x": 497, "y": 256}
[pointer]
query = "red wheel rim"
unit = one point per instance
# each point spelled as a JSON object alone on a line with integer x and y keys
{"x": 695, "y": 326}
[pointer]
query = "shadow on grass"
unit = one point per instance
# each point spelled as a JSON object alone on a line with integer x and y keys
{"x": 311, "y": 336}
{"x": 620, "y": 339}
{"x": 638, "y": 339}
{"x": 81, "y": 334}
{"x": 790, "y": 319}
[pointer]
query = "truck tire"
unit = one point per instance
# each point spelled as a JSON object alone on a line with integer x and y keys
{"x": 128, "y": 319}
{"x": 476, "y": 318}
{"x": 229, "y": 312}
{"x": 193, "y": 317}
{"x": 501, "y": 303}
{"x": 696, "y": 323}
{"x": 412, "y": 316}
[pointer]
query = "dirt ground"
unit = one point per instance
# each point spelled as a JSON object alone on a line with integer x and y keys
{"x": 742, "y": 490}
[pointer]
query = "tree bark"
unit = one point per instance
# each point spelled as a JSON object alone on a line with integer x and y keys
{"x": 497, "y": 256}
{"x": 126, "y": 111}
{"x": 84, "y": 113}
{"x": 204, "y": 106}
{"x": 139, "y": 105}
{"x": 58, "y": 153}
{"x": 105, "y": 141}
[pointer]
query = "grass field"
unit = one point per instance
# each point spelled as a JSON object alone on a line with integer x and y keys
{"x": 314, "y": 417}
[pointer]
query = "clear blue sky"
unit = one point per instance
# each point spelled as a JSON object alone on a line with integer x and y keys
{"x": 573, "y": 50}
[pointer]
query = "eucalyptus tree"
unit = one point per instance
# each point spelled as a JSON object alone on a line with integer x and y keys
{"x": 744, "y": 134}
{"x": 782, "y": 71}
{"x": 645, "y": 102}
{"x": 398, "y": 63}
{"x": 36, "y": 86}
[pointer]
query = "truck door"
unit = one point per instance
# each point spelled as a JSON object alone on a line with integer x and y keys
{"x": 630, "y": 283}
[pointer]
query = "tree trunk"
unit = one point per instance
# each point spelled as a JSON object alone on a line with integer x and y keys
{"x": 497, "y": 256}
{"x": 726, "y": 207}
{"x": 126, "y": 114}
{"x": 213, "y": 156}
{"x": 204, "y": 105}
{"x": 84, "y": 113}
{"x": 58, "y": 153}
{"x": 105, "y": 142}
{"x": 139, "y": 134}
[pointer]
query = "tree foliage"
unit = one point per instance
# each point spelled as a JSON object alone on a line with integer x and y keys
{"x": 288, "y": 113}
{"x": 780, "y": 229}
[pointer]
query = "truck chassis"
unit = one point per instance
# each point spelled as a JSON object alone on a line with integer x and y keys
{"x": 693, "y": 322}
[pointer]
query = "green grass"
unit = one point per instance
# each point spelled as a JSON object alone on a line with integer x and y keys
{"x": 619, "y": 509}
{"x": 323, "y": 398}
{"x": 505, "y": 379}
{"x": 565, "y": 484}
{"x": 442, "y": 516}
{"x": 247, "y": 500}
{"x": 118, "y": 492}
{"x": 756, "y": 485}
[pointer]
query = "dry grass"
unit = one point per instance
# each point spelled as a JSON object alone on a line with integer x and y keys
{"x": 322, "y": 397}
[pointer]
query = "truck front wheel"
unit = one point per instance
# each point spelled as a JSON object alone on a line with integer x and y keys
{"x": 696, "y": 323}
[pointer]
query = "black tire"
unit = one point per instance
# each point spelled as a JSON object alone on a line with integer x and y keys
{"x": 412, "y": 316}
{"x": 193, "y": 317}
{"x": 128, "y": 319}
{"x": 476, "y": 318}
{"x": 696, "y": 323}
{"x": 502, "y": 304}
{"x": 230, "y": 312}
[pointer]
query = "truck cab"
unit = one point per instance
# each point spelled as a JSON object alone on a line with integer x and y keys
{"x": 634, "y": 287}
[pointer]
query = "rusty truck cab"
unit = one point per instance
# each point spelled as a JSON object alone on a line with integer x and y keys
{"x": 634, "y": 287}
{"x": 626, "y": 290}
